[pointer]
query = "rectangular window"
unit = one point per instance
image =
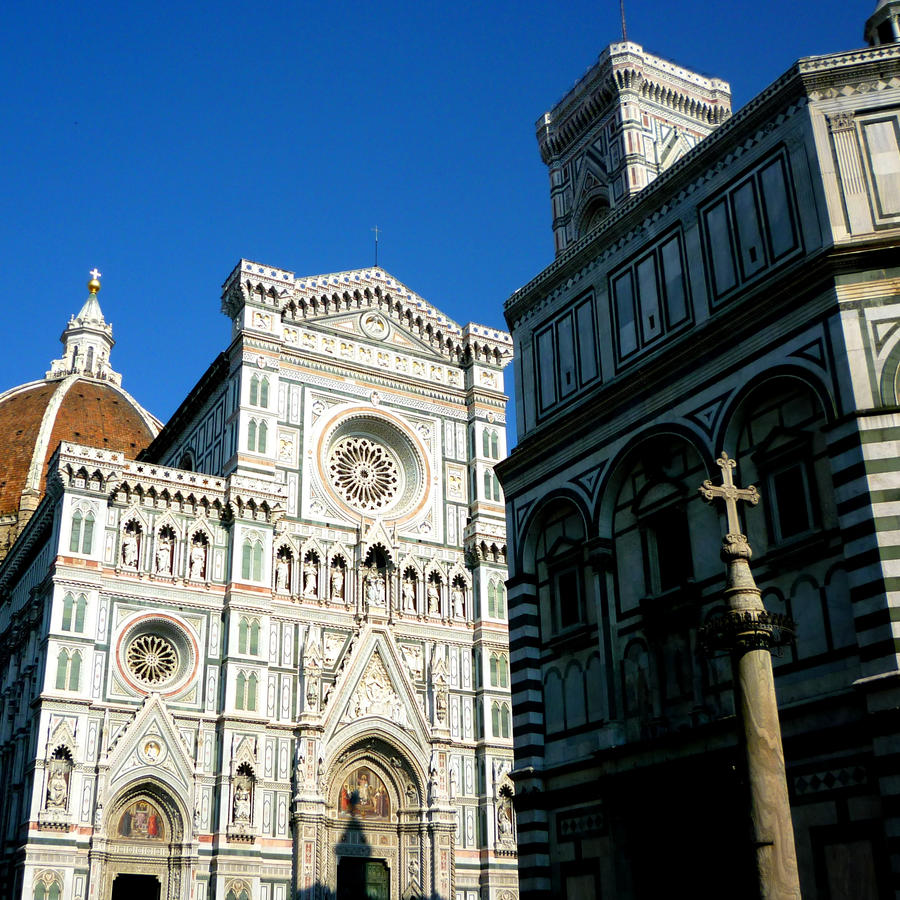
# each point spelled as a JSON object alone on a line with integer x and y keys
{"x": 780, "y": 221}
{"x": 587, "y": 341}
{"x": 884, "y": 158}
{"x": 623, "y": 294}
{"x": 718, "y": 228}
{"x": 545, "y": 369}
{"x": 673, "y": 278}
{"x": 565, "y": 346}
{"x": 567, "y": 597}
{"x": 746, "y": 218}
{"x": 651, "y": 326}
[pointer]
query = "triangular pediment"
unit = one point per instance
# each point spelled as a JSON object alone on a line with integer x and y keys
{"x": 376, "y": 685}
{"x": 151, "y": 746}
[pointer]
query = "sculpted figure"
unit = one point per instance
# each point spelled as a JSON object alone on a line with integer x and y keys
{"x": 130, "y": 551}
{"x": 310, "y": 579}
{"x": 241, "y": 804}
{"x": 57, "y": 790}
{"x": 282, "y": 574}
{"x": 434, "y": 600}
{"x": 337, "y": 584}
{"x": 458, "y": 598}
{"x": 409, "y": 595}
{"x": 164, "y": 555}
{"x": 198, "y": 561}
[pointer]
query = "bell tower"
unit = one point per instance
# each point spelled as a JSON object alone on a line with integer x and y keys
{"x": 626, "y": 120}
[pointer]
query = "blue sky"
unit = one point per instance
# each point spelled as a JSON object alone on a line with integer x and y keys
{"x": 162, "y": 142}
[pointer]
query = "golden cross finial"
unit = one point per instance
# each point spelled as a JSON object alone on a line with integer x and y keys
{"x": 729, "y": 493}
{"x": 94, "y": 283}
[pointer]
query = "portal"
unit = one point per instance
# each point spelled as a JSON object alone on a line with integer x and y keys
{"x": 136, "y": 887}
{"x": 362, "y": 879}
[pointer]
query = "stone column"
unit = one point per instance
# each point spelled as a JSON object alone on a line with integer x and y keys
{"x": 748, "y": 633}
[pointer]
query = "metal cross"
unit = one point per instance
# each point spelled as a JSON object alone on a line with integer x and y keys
{"x": 729, "y": 493}
{"x": 95, "y": 273}
{"x": 376, "y": 229}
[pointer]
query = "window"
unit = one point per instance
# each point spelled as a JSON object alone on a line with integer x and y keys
{"x": 649, "y": 297}
{"x": 74, "y": 613}
{"x": 495, "y": 599}
{"x": 81, "y": 536}
{"x": 499, "y": 670}
{"x": 245, "y": 691}
{"x": 486, "y": 442}
{"x": 251, "y": 435}
{"x": 500, "y": 720}
{"x": 667, "y": 549}
{"x": 495, "y": 445}
{"x": 491, "y": 486}
{"x": 567, "y": 597}
{"x": 251, "y": 560}
{"x": 68, "y": 670}
{"x": 248, "y": 636}
{"x": 261, "y": 439}
{"x": 751, "y": 228}
{"x": 259, "y": 391}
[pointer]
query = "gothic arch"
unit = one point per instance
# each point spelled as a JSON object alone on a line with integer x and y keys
{"x": 531, "y": 527}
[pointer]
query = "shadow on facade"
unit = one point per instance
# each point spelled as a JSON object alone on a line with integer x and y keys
{"x": 362, "y": 873}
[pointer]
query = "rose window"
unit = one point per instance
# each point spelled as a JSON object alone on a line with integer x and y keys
{"x": 364, "y": 473}
{"x": 151, "y": 659}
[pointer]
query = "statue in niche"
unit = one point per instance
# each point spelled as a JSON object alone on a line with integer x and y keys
{"x": 457, "y": 598}
{"x": 130, "y": 550}
{"x": 337, "y": 584}
{"x": 58, "y": 785}
{"x": 242, "y": 805}
{"x": 504, "y": 820}
{"x": 375, "y": 592}
{"x": 409, "y": 595}
{"x": 312, "y": 694}
{"x": 440, "y": 704}
{"x": 434, "y": 599}
{"x": 197, "y": 567}
{"x": 164, "y": 554}
{"x": 310, "y": 579}
{"x": 282, "y": 574}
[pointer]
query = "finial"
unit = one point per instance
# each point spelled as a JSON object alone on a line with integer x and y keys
{"x": 94, "y": 283}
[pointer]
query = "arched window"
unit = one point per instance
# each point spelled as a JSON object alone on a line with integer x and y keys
{"x": 251, "y": 691}
{"x": 74, "y": 671}
{"x": 254, "y": 637}
{"x": 264, "y": 392}
{"x": 251, "y": 560}
{"x": 501, "y": 606}
{"x": 487, "y": 484}
{"x": 254, "y": 390}
{"x": 240, "y": 691}
{"x": 68, "y": 606}
{"x": 251, "y": 435}
{"x": 495, "y": 719}
{"x": 261, "y": 441}
{"x": 503, "y": 670}
{"x": 242, "y": 635}
{"x": 495, "y": 445}
{"x": 87, "y": 538}
{"x": 504, "y": 721}
{"x": 80, "y": 610}
{"x": 75, "y": 533}
{"x": 494, "y": 677}
{"x": 62, "y": 670}
{"x": 257, "y": 561}
{"x": 485, "y": 443}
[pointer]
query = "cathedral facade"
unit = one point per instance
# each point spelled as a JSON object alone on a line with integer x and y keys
{"x": 746, "y": 300}
{"x": 268, "y": 658}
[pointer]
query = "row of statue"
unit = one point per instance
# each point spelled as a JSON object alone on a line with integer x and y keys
{"x": 163, "y": 559}
{"x": 374, "y": 588}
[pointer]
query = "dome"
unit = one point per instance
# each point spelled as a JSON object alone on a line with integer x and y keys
{"x": 79, "y": 400}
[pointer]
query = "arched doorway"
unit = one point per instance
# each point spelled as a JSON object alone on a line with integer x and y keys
{"x": 141, "y": 852}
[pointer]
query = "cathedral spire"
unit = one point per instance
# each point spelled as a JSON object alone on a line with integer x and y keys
{"x": 87, "y": 340}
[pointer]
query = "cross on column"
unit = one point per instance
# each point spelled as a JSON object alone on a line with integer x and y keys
{"x": 729, "y": 492}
